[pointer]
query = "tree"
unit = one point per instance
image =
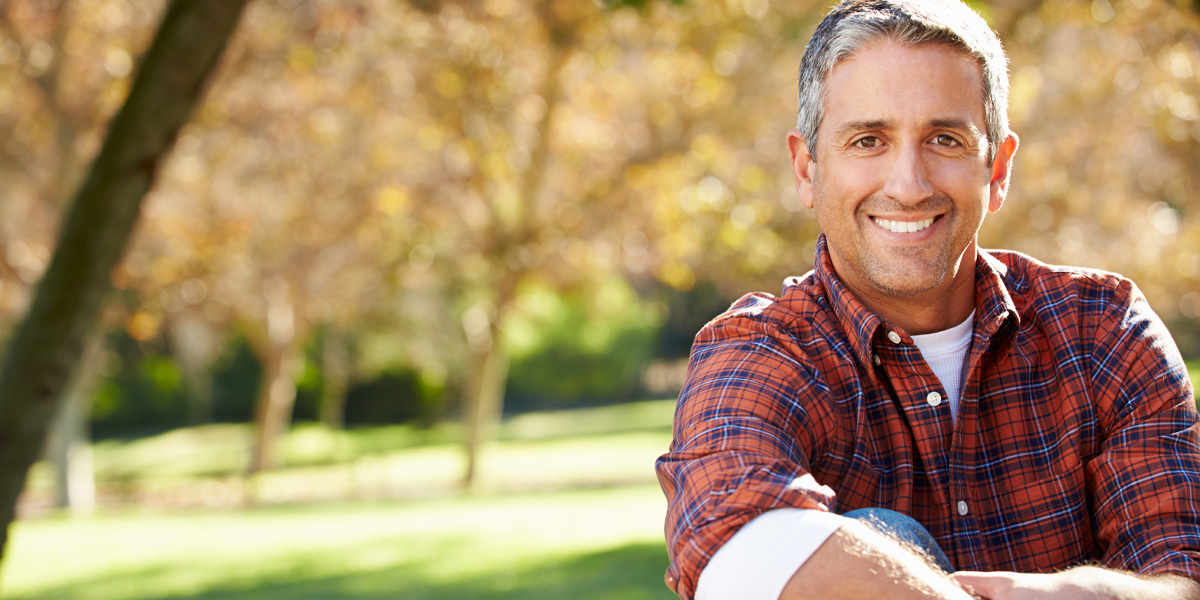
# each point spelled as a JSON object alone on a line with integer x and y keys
{"x": 409, "y": 176}
{"x": 41, "y": 357}
{"x": 70, "y": 448}
{"x": 570, "y": 142}
{"x": 67, "y": 105}
{"x": 267, "y": 217}
{"x": 361, "y": 164}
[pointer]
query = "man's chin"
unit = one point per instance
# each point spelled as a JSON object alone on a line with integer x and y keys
{"x": 906, "y": 283}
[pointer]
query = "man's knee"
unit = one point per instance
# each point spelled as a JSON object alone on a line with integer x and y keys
{"x": 904, "y": 529}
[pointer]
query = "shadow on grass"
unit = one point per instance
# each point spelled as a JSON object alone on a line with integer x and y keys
{"x": 632, "y": 572}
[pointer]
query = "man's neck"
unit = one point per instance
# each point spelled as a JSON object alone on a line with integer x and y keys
{"x": 931, "y": 311}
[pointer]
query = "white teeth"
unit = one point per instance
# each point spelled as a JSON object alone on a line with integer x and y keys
{"x": 903, "y": 226}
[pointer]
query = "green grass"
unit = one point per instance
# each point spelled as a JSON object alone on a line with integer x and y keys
{"x": 568, "y": 508}
{"x": 579, "y": 544}
{"x": 602, "y": 446}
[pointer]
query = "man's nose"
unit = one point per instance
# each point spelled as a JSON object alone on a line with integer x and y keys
{"x": 907, "y": 179}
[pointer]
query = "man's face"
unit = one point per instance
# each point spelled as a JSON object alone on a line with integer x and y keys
{"x": 900, "y": 181}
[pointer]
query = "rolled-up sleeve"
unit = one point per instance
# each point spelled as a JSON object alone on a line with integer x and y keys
{"x": 745, "y": 428}
{"x": 760, "y": 559}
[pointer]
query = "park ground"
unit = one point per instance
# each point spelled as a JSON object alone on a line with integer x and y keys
{"x": 567, "y": 506}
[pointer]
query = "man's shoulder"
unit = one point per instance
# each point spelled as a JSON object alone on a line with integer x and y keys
{"x": 1035, "y": 283}
{"x": 780, "y": 338}
{"x": 760, "y": 312}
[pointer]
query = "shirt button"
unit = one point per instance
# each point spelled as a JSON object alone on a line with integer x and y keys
{"x": 875, "y": 359}
{"x": 962, "y": 508}
{"x": 933, "y": 398}
{"x": 895, "y": 337}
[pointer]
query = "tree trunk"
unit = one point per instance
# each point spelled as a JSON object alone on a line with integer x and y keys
{"x": 273, "y": 410}
{"x": 199, "y": 384}
{"x": 277, "y": 346}
{"x": 95, "y": 232}
{"x": 196, "y": 346}
{"x": 488, "y": 372}
{"x": 485, "y": 404}
{"x": 335, "y": 370}
{"x": 74, "y": 475}
{"x": 70, "y": 447}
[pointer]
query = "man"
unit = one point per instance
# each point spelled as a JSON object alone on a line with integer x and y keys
{"x": 1033, "y": 423}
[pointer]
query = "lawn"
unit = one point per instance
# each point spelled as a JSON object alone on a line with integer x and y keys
{"x": 545, "y": 451}
{"x": 578, "y": 544}
{"x": 568, "y": 508}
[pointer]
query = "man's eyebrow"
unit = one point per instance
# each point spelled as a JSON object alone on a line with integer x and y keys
{"x": 960, "y": 124}
{"x": 853, "y": 127}
{"x": 856, "y": 126}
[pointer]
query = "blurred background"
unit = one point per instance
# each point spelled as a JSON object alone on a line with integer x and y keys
{"x": 408, "y": 306}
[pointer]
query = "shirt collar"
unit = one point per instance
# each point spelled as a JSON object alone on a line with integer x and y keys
{"x": 994, "y": 305}
{"x": 997, "y": 316}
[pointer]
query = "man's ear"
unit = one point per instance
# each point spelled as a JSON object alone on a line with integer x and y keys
{"x": 803, "y": 165}
{"x": 1001, "y": 172}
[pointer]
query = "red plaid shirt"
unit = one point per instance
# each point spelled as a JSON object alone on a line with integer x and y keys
{"x": 1077, "y": 437}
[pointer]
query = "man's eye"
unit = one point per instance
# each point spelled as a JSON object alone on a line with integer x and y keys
{"x": 869, "y": 141}
{"x": 946, "y": 140}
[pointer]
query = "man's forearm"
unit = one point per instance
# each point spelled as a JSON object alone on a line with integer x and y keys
{"x": 856, "y": 562}
{"x": 1080, "y": 583}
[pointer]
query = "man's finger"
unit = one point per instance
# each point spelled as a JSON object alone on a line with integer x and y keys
{"x": 986, "y": 585}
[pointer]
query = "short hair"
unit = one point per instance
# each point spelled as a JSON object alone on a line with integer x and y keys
{"x": 854, "y": 24}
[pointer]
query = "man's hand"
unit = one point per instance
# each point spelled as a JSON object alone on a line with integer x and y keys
{"x": 1005, "y": 585}
{"x": 1081, "y": 583}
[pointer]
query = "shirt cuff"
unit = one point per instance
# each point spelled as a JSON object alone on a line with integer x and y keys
{"x": 760, "y": 559}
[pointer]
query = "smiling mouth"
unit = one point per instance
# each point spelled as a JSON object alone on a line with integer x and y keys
{"x": 903, "y": 226}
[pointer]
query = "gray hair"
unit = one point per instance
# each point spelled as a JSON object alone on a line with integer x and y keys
{"x": 854, "y": 24}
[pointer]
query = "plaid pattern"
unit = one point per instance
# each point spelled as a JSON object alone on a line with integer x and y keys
{"x": 1077, "y": 437}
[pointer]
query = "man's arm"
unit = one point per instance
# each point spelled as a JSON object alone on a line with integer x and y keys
{"x": 856, "y": 562}
{"x": 1141, "y": 485}
{"x": 748, "y": 418}
{"x": 1080, "y": 583}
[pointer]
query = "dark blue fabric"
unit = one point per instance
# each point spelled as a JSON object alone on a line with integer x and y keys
{"x": 904, "y": 528}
